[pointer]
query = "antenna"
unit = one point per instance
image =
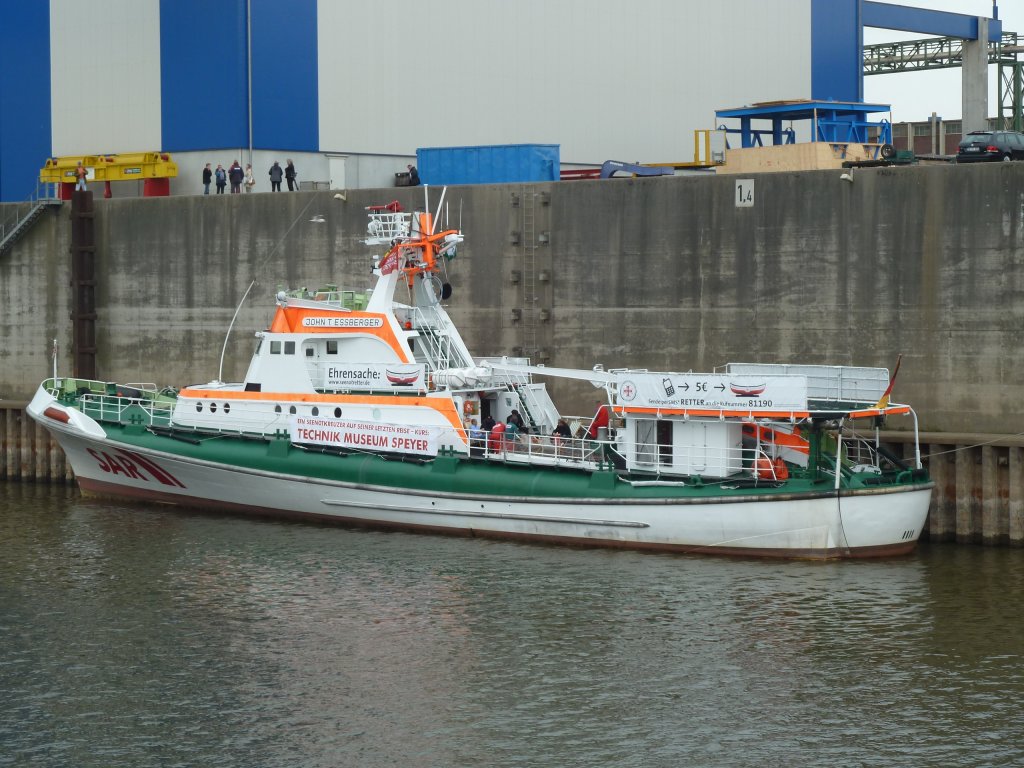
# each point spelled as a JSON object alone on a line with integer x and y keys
{"x": 438, "y": 214}
{"x": 224, "y": 349}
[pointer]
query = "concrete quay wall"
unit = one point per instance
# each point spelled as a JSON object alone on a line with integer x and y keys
{"x": 666, "y": 273}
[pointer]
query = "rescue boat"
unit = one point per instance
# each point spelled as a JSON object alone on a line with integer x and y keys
{"x": 365, "y": 410}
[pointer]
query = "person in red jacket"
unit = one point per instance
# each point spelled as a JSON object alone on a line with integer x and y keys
{"x": 600, "y": 420}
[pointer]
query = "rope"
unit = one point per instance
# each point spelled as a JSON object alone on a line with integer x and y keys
{"x": 969, "y": 447}
{"x": 259, "y": 268}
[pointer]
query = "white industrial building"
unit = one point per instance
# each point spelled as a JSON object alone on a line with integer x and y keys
{"x": 351, "y": 90}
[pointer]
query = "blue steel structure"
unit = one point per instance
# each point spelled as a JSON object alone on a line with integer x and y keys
{"x": 925, "y": 21}
{"x": 831, "y": 121}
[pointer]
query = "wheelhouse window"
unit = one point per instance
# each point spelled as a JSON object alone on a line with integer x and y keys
{"x": 289, "y": 347}
{"x": 275, "y": 347}
{"x": 646, "y": 436}
{"x": 332, "y": 346}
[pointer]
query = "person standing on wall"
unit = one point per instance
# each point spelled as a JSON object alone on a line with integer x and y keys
{"x": 236, "y": 174}
{"x": 275, "y": 177}
{"x": 291, "y": 175}
{"x": 250, "y": 180}
{"x": 207, "y": 179}
{"x": 222, "y": 178}
{"x": 414, "y": 176}
{"x": 81, "y": 174}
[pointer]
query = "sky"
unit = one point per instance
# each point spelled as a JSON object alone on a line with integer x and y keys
{"x": 915, "y": 95}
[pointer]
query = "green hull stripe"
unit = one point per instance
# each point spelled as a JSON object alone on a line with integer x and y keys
{"x": 459, "y": 476}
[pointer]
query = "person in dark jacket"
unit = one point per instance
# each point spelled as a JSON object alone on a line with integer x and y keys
{"x": 207, "y": 179}
{"x": 291, "y": 175}
{"x": 414, "y": 176}
{"x": 516, "y": 418}
{"x": 562, "y": 429}
{"x": 236, "y": 174}
{"x": 222, "y": 178}
{"x": 276, "y": 174}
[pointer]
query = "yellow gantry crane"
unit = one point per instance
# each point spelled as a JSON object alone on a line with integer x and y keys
{"x": 155, "y": 169}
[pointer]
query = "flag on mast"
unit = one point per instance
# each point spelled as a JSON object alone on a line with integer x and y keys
{"x": 883, "y": 401}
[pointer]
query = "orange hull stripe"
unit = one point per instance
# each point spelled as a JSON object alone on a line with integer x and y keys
{"x": 758, "y": 414}
{"x": 898, "y": 409}
{"x": 715, "y": 413}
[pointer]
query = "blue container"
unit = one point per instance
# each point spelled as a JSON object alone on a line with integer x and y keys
{"x": 502, "y": 163}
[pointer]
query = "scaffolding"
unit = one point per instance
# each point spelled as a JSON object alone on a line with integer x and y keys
{"x": 947, "y": 53}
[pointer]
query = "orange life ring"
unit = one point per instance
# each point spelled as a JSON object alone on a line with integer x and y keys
{"x": 764, "y": 469}
{"x": 467, "y": 407}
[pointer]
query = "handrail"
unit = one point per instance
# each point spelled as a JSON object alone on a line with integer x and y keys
{"x": 42, "y": 194}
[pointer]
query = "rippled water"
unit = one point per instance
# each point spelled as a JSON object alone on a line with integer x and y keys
{"x": 143, "y": 636}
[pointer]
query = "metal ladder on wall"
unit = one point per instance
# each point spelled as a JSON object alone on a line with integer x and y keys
{"x": 529, "y": 327}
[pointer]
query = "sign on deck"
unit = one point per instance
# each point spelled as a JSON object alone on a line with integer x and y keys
{"x": 692, "y": 391}
{"x": 374, "y": 376}
{"x": 364, "y": 435}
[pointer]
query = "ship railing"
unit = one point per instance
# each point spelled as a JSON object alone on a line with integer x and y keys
{"x": 385, "y": 226}
{"x": 526, "y": 448}
{"x": 708, "y": 461}
{"x": 438, "y": 349}
{"x": 865, "y": 456}
{"x": 114, "y": 404}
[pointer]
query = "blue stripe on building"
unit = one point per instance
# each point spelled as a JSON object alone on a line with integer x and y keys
{"x": 836, "y": 50}
{"x": 285, "y": 98}
{"x": 26, "y": 122}
{"x": 203, "y": 75}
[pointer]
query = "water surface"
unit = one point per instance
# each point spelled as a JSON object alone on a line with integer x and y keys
{"x": 142, "y": 636}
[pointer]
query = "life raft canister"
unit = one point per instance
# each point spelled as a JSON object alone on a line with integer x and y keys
{"x": 766, "y": 469}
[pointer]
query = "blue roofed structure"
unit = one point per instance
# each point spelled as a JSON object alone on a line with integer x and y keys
{"x": 833, "y": 122}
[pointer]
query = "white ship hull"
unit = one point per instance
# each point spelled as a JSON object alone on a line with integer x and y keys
{"x": 872, "y": 523}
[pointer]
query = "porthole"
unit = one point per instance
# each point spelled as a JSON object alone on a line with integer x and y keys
{"x": 213, "y": 407}
{"x": 291, "y": 409}
{"x": 337, "y": 413}
{"x": 316, "y": 411}
{"x": 199, "y": 407}
{"x": 277, "y": 409}
{"x": 227, "y": 407}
